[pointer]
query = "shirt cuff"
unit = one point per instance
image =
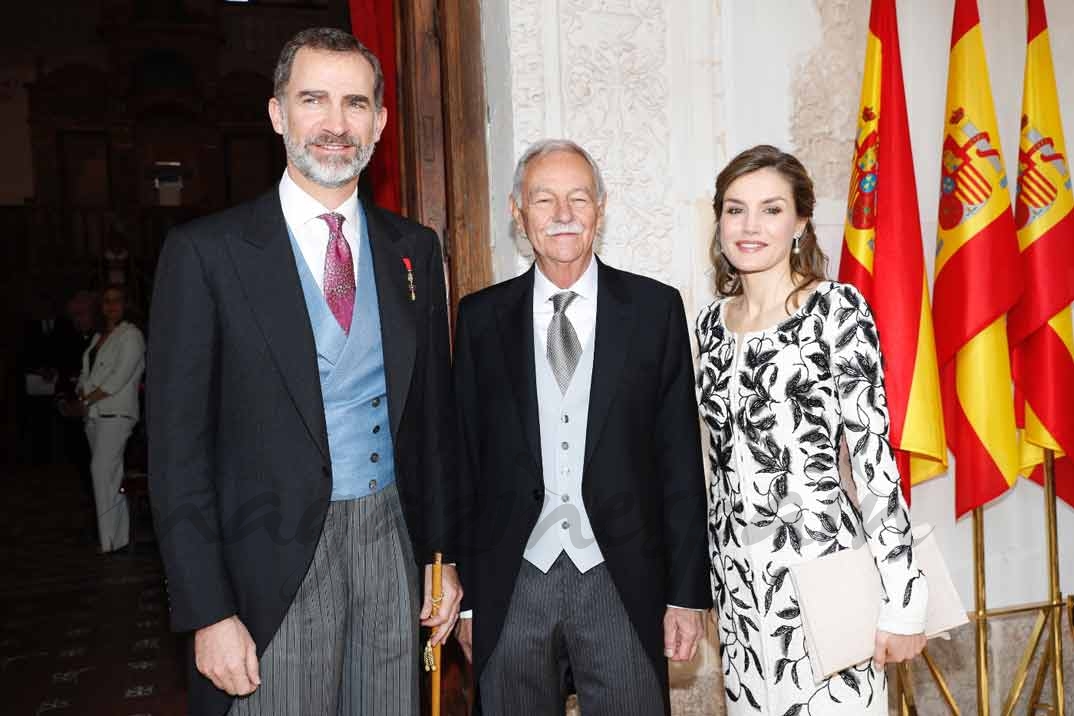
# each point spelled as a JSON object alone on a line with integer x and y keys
{"x": 685, "y": 609}
{"x": 895, "y": 625}
{"x": 468, "y": 614}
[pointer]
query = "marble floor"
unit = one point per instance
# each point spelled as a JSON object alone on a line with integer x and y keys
{"x": 80, "y": 633}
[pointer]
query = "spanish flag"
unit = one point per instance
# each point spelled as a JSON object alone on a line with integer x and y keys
{"x": 1039, "y": 326}
{"x": 883, "y": 256}
{"x": 977, "y": 281}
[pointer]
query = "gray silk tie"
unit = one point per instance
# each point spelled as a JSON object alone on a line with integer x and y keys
{"x": 564, "y": 349}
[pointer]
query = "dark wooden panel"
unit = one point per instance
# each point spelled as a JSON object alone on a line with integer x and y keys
{"x": 421, "y": 118}
{"x": 465, "y": 111}
{"x": 442, "y": 117}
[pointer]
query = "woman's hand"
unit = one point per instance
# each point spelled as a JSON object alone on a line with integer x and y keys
{"x": 894, "y": 648}
{"x": 70, "y": 407}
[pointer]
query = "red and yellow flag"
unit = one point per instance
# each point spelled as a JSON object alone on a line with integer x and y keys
{"x": 975, "y": 286}
{"x": 883, "y": 256}
{"x": 1039, "y": 325}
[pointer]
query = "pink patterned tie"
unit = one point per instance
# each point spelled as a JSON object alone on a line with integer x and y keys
{"x": 338, "y": 273}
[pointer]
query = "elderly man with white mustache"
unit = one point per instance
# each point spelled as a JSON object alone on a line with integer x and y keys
{"x": 579, "y": 462}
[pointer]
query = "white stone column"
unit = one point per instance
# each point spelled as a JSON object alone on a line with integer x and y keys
{"x": 636, "y": 82}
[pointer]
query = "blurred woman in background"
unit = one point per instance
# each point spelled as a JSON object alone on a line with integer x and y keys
{"x": 108, "y": 386}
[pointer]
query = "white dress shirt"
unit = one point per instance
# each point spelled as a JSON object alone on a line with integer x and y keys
{"x": 301, "y": 212}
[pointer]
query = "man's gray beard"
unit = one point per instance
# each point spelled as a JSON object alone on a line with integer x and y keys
{"x": 329, "y": 174}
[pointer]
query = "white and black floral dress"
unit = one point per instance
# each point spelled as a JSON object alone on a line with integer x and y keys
{"x": 778, "y": 403}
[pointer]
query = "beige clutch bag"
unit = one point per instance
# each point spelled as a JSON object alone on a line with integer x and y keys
{"x": 840, "y": 597}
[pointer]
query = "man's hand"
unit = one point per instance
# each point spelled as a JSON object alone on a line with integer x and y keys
{"x": 682, "y": 630}
{"x": 464, "y": 632}
{"x": 894, "y": 648}
{"x": 225, "y": 654}
{"x": 451, "y": 598}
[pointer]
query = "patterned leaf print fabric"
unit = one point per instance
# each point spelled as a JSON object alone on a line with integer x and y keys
{"x": 778, "y": 403}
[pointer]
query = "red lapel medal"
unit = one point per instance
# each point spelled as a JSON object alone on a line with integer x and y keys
{"x": 410, "y": 277}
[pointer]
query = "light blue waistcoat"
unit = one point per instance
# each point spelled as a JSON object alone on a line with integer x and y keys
{"x": 353, "y": 386}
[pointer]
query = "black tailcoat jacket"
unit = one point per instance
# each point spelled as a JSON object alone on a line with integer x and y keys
{"x": 643, "y": 482}
{"x": 240, "y": 472}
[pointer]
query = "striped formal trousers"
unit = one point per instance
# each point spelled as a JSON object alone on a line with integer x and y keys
{"x": 348, "y": 644}
{"x": 568, "y": 625}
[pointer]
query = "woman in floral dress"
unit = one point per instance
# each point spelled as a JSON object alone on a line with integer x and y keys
{"x": 790, "y": 369}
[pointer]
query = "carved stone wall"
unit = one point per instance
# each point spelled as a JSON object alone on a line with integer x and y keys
{"x": 826, "y": 91}
{"x": 528, "y": 72}
{"x": 605, "y": 73}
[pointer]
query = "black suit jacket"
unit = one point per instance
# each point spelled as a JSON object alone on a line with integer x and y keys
{"x": 643, "y": 482}
{"x": 240, "y": 474}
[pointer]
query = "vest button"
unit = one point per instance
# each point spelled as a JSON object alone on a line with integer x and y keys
{"x": 565, "y": 525}
{"x": 565, "y": 445}
{"x": 374, "y": 457}
{"x": 376, "y": 402}
{"x": 376, "y": 429}
{"x": 537, "y": 495}
{"x": 372, "y": 485}
{"x": 566, "y": 498}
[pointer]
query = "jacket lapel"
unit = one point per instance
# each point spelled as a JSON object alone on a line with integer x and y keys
{"x": 611, "y": 344}
{"x": 515, "y": 317}
{"x": 397, "y": 328}
{"x": 268, "y": 273}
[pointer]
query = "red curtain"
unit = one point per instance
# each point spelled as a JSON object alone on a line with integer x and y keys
{"x": 373, "y": 23}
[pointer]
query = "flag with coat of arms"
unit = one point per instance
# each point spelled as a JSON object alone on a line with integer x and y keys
{"x": 1039, "y": 325}
{"x": 976, "y": 277}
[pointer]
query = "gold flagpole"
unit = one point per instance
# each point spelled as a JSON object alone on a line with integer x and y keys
{"x": 980, "y": 615}
{"x": 1054, "y": 591}
{"x": 432, "y": 653}
{"x": 1049, "y": 617}
{"x": 909, "y": 705}
{"x": 941, "y": 683}
{"x": 1022, "y": 673}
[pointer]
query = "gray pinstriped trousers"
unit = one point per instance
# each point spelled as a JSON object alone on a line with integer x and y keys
{"x": 348, "y": 644}
{"x": 568, "y": 620}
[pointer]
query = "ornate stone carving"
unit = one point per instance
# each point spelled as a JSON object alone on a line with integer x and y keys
{"x": 826, "y": 94}
{"x": 615, "y": 97}
{"x": 528, "y": 97}
{"x": 527, "y": 72}
{"x": 611, "y": 91}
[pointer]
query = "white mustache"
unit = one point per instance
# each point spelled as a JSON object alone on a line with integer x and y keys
{"x": 556, "y": 228}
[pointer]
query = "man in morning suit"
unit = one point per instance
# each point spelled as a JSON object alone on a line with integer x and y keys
{"x": 301, "y": 419}
{"x": 580, "y": 460}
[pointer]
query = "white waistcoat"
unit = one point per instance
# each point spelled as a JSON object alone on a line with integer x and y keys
{"x": 563, "y": 525}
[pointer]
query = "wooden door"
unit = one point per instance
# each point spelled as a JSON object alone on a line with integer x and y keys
{"x": 442, "y": 114}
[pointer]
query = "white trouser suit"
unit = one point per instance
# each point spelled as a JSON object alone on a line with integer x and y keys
{"x": 117, "y": 370}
